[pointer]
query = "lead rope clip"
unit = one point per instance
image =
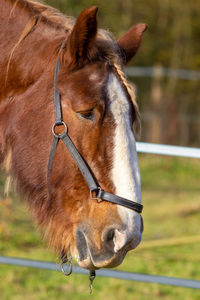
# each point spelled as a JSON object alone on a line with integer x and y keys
{"x": 91, "y": 278}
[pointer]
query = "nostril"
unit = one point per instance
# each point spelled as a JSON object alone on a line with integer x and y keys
{"x": 81, "y": 245}
{"x": 115, "y": 239}
{"x": 108, "y": 239}
{"x": 109, "y": 235}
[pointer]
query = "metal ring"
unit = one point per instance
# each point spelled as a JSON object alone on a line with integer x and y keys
{"x": 61, "y": 135}
{"x": 69, "y": 264}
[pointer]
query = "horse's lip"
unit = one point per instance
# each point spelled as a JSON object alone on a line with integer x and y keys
{"x": 88, "y": 264}
{"x": 112, "y": 260}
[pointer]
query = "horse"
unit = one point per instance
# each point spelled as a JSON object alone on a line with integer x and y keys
{"x": 99, "y": 114}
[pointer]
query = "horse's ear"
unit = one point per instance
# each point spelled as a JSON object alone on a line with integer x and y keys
{"x": 130, "y": 41}
{"x": 82, "y": 36}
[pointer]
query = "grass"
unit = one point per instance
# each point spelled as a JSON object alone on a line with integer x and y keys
{"x": 171, "y": 242}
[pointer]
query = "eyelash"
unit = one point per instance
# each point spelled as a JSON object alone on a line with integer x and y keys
{"x": 88, "y": 115}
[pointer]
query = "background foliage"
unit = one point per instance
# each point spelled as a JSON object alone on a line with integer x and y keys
{"x": 172, "y": 41}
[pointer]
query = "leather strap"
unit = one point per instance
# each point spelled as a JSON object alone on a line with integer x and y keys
{"x": 57, "y": 102}
{"x": 119, "y": 200}
{"x": 83, "y": 167}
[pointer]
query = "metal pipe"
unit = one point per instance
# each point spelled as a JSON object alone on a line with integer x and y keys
{"x": 195, "y": 284}
{"x": 168, "y": 150}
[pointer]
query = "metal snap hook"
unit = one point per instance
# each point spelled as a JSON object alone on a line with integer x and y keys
{"x": 91, "y": 278}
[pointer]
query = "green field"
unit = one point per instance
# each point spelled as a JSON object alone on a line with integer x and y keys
{"x": 170, "y": 247}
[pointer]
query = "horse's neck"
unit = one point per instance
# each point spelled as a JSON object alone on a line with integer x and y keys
{"x": 27, "y": 49}
{"x": 12, "y": 15}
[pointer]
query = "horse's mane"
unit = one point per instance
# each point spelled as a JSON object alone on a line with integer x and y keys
{"x": 40, "y": 12}
{"x": 51, "y": 16}
{"x": 48, "y": 13}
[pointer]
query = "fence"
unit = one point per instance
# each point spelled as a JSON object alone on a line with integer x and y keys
{"x": 163, "y": 72}
{"x": 195, "y": 284}
{"x": 168, "y": 150}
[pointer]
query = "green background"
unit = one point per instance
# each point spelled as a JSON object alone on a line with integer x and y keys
{"x": 170, "y": 247}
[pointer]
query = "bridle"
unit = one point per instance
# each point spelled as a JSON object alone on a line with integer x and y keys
{"x": 96, "y": 193}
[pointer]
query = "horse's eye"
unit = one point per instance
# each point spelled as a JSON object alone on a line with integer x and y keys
{"x": 88, "y": 115}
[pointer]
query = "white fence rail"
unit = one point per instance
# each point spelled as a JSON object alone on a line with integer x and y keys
{"x": 163, "y": 72}
{"x": 194, "y": 284}
{"x": 168, "y": 150}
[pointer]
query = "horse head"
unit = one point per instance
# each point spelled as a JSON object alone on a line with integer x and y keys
{"x": 100, "y": 110}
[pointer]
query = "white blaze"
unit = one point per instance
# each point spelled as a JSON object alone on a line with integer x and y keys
{"x": 125, "y": 172}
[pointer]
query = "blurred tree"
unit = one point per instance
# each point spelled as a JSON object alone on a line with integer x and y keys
{"x": 172, "y": 41}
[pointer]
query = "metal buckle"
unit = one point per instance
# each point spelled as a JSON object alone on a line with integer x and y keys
{"x": 61, "y": 135}
{"x": 95, "y": 197}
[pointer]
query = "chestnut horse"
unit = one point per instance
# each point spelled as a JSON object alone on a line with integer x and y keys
{"x": 99, "y": 108}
